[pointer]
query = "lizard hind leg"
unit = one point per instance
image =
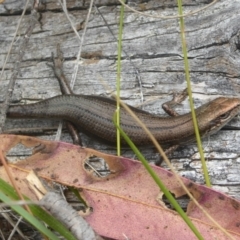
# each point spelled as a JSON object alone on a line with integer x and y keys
{"x": 168, "y": 152}
{"x": 176, "y": 100}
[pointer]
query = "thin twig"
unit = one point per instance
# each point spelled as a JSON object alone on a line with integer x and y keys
{"x": 74, "y": 76}
{"x": 15, "y": 228}
{"x": 168, "y": 17}
{"x": 14, "y": 37}
{"x": 12, "y": 179}
{"x": 134, "y": 67}
{"x": 160, "y": 150}
{"x": 6, "y": 216}
{"x": 22, "y": 47}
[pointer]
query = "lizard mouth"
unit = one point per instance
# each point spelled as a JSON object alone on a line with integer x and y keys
{"x": 228, "y": 127}
{"x": 221, "y": 121}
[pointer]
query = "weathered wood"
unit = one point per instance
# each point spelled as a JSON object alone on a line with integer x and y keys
{"x": 154, "y": 47}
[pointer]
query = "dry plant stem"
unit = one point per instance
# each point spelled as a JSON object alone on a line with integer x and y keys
{"x": 15, "y": 228}
{"x": 168, "y": 17}
{"x": 81, "y": 44}
{"x": 167, "y": 152}
{"x": 57, "y": 68}
{"x": 80, "y": 39}
{"x": 61, "y": 210}
{"x": 135, "y": 68}
{"x": 12, "y": 180}
{"x": 10, "y": 48}
{"x": 22, "y": 47}
{"x": 1, "y": 234}
{"x": 10, "y": 221}
{"x": 76, "y": 138}
{"x": 159, "y": 148}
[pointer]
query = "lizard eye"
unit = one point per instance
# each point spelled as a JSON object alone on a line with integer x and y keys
{"x": 224, "y": 116}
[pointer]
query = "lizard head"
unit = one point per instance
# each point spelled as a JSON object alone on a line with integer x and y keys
{"x": 216, "y": 114}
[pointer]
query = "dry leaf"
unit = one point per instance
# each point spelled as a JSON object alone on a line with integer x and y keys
{"x": 127, "y": 202}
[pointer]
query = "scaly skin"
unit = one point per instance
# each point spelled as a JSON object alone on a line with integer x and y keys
{"x": 93, "y": 115}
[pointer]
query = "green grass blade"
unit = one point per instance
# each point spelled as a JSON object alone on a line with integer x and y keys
{"x": 31, "y": 219}
{"x": 77, "y": 194}
{"x": 186, "y": 65}
{"x": 119, "y": 75}
{"x": 38, "y": 212}
{"x": 159, "y": 182}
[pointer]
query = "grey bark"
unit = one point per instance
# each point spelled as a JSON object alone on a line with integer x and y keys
{"x": 153, "y": 68}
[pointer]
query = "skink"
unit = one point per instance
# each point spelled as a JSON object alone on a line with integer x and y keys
{"x": 93, "y": 115}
